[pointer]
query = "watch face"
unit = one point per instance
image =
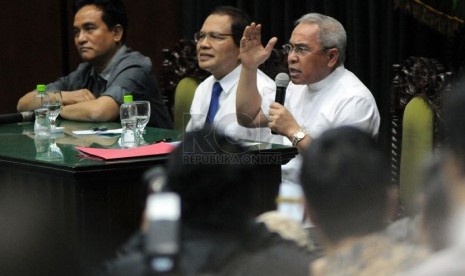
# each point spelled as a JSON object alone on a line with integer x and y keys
{"x": 300, "y": 135}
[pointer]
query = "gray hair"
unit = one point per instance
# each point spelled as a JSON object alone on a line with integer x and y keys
{"x": 332, "y": 33}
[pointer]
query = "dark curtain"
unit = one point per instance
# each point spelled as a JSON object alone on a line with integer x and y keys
{"x": 379, "y": 35}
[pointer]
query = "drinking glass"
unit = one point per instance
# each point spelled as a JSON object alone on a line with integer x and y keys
{"x": 54, "y": 151}
{"x": 54, "y": 106}
{"x": 142, "y": 118}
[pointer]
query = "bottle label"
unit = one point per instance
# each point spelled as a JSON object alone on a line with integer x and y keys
{"x": 42, "y": 122}
{"x": 129, "y": 135}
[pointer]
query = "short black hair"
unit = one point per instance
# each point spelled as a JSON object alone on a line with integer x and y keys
{"x": 240, "y": 20}
{"x": 214, "y": 188}
{"x": 346, "y": 180}
{"x": 114, "y": 13}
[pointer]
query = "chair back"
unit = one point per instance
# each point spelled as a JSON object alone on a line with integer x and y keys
{"x": 183, "y": 96}
{"x": 418, "y": 87}
{"x": 178, "y": 63}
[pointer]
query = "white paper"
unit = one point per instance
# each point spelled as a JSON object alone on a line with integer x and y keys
{"x": 89, "y": 132}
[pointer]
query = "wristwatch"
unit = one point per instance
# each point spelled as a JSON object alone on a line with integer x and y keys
{"x": 298, "y": 136}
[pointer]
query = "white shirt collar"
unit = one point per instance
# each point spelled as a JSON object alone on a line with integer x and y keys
{"x": 231, "y": 79}
{"x": 317, "y": 86}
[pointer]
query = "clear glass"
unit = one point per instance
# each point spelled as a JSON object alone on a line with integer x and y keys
{"x": 47, "y": 149}
{"x": 142, "y": 118}
{"x": 54, "y": 151}
{"x": 54, "y": 106}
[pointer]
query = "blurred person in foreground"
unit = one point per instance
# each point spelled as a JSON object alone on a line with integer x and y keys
{"x": 218, "y": 53}
{"x": 322, "y": 93}
{"x": 32, "y": 240}
{"x": 346, "y": 181}
{"x": 219, "y": 235}
{"x": 449, "y": 261}
{"x": 289, "y": 229}
{"x": 95, "y": 90}
{"x": 429, "y": 225}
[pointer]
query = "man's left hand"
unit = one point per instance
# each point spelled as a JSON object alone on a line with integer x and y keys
{"x": 281, "y": 120}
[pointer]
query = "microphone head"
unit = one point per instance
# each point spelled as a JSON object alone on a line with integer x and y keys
{"x": 28, "y": 116}
{"x": 282, "y": 80}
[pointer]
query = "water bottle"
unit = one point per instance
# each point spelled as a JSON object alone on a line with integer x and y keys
{"x": 128, "y": 113}
{"x": 42, "y": 122}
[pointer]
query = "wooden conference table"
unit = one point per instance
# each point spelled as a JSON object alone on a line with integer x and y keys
{"x": 99, "y": 203}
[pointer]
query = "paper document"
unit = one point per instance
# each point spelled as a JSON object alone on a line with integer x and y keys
{"x": 102, "y": 132}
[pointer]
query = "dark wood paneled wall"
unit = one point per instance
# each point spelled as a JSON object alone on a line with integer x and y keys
{"x": 38, "y": 45}
{"x": 31, "y": 49}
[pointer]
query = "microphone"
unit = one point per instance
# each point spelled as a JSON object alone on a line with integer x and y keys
{"x": 163, "y": 213}
{"x": 27, "y": 116}
{"x": 162, "y": 241}
{"x": 281, "y": 80}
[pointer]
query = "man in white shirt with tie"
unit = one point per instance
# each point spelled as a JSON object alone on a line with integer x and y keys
{"x": 218, "y": 53}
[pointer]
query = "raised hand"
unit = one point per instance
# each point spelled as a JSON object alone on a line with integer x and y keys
{"x": 252, "y": 53}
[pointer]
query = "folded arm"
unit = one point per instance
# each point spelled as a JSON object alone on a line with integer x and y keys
{"x": 26, "y": 102}
{"x": 80, "y": 105}
{"x": 77, "y": 96}
{"x": 101, "y": 109}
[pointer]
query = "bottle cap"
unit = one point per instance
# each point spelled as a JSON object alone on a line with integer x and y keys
{"x": 41, "y": 88}
{"x": 127, "y": 98}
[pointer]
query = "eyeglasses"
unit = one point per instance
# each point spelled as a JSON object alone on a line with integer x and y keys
{"x": 299, "y": 49}
{"x": 214, "y": 36}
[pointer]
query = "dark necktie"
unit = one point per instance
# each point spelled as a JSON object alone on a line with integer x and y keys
{"x": 216, "y": 91}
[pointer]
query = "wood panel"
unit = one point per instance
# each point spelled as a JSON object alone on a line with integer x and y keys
{"x": 153, "y": 25}
{"x": 31, "y": 48}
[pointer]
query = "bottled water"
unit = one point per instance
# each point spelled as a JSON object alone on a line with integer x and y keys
{"x": 42, "y": 121}
{"x": 128, "y": 135}
{"x": 128, "y": 113}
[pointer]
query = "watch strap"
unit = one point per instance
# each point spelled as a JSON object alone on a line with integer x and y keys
{"x": 298, "y": 136}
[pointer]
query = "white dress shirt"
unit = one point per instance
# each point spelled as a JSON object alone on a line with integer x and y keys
{"x": 225, "y": 118}
{"x": 339, "y": 99}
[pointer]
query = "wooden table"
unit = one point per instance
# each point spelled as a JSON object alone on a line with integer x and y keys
{"x": 100, "y": 203}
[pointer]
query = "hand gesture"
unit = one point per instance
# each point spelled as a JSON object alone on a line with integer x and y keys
{"x": 252, "y": 53}
{"x": 281, "y": 120}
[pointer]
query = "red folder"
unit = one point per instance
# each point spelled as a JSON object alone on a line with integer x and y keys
{"x": 109, "y": 154}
